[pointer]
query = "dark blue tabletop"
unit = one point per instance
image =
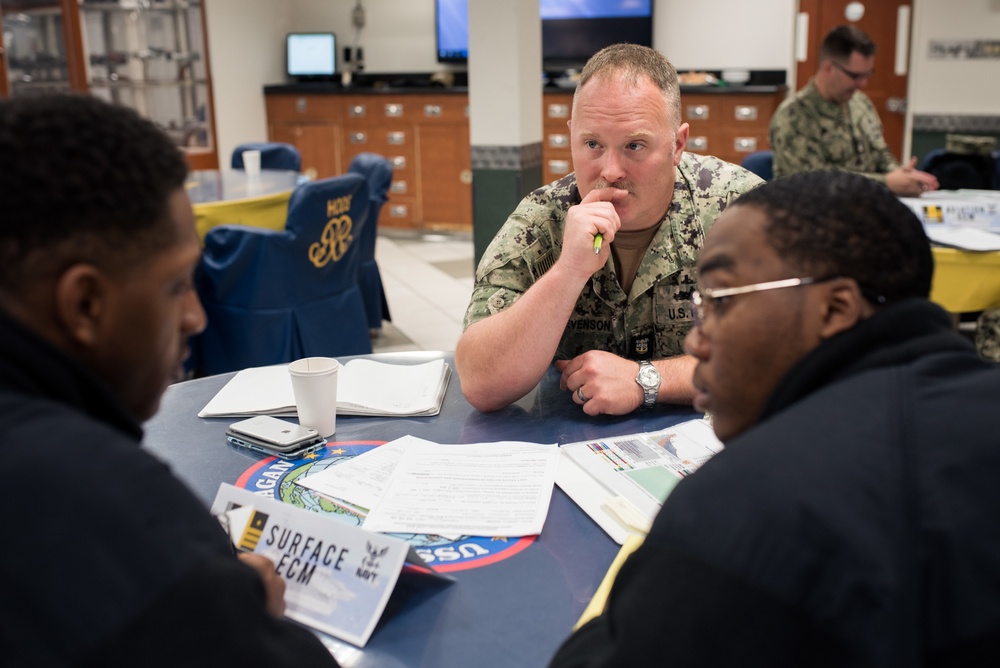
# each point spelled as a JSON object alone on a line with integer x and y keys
{"x": 513, "y": 612}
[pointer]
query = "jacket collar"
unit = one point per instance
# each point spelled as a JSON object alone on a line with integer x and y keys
{"x": 29, "y": 365}
{"x": 898, "y": 334}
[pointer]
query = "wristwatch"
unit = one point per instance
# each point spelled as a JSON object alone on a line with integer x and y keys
{"x": 648, "y": 379}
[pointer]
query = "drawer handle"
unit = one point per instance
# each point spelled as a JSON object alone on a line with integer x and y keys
{"x": 399, "y": 211}
{"x": 746, "y": 113}
{"x": 356, "y": 110}
{"x": 359, "y": 138}
{"x": 559, "y": 166}
{"x": 698, "y": 112}
{"x": 396, "y": 138}
{"x": 432, "y": 110}
{"x": 301, "y": 104}
{"x": 745, "y": 144}
{"x": 697, "y": 143}
{"x": 398, "y": 188}
{"x": 558, "y": 111}
{"x": 399, "y": 162}
{"x": 393, "y": 110}
{"x": 558, "y": 141}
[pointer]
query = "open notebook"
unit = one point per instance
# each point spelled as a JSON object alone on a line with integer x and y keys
{"x": 364, "y": 387}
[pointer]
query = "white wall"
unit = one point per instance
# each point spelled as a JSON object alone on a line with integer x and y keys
{"x": 398, "y": 35}
{"x": 722, "y": 34}
{"x": 954, "y": 86}
{"x": 246, "y": 38}
{"x": 246, "y": 43}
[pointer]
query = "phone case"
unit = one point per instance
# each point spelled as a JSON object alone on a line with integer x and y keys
{"x": 271, "y": 430}
{"x": 296, "y": 453}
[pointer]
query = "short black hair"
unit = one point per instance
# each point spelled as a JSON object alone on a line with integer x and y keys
{"x": 844, "y": 40}
{"x": 834, "y": 223}
{"x": 84, "y": 181}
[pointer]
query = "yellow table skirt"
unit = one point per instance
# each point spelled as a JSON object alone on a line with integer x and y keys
{"x": 266, "y": 211}
{"x": 966, "y": 281}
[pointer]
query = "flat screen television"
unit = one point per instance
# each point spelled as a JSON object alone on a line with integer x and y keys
{"x": 572, "y": 30}
{"x": 311, "y": 55}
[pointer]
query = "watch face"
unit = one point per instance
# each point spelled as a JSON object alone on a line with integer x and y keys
{"x": 648, "y": 376}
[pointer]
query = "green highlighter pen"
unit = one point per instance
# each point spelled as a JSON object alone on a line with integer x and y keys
{"x": 598, "y": 239}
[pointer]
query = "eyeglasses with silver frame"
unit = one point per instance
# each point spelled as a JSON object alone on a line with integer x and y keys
{"x": 703, "y": 299}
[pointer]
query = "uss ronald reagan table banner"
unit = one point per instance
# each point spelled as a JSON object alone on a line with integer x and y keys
{"x": 338, "y": 578}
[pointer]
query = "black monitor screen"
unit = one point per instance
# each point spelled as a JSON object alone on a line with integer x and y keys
{"x": 311, "y": 54}
{"x": 572, "y": 30}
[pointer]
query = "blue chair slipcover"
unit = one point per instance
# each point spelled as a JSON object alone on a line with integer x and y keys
{"x": 273, "y": 155}
{"x": 760, "y": 163}
{"x": 378, "y": 171}
{"x": 273, "y": 297}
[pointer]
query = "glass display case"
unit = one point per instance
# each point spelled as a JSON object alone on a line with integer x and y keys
{"x": 34, "y": 43}
{"x": 146, "y": 54}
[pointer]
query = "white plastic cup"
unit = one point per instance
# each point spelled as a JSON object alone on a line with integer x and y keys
{"x": 251, "y": 162}
{"x": 314, "y": 382}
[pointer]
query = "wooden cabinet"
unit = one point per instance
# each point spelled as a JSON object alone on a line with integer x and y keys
{"x": 729, "y": 125}
{"x": 556, "y": 159}
{"x": 150, "y": 56}
{"x": 424, "y": 135}
{"x": 726, "y": 123}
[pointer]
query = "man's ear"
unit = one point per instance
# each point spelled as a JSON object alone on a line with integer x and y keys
{"x": 844, "y": 307}
{"x": 680, "y": 142}
{"x": 81, "y": 301}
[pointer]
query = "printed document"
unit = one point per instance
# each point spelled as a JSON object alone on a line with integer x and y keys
{"x": 621, "y": 482}
{"x": 415, "y": 486}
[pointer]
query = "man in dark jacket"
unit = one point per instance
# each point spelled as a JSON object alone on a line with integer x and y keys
{"x": 852, "y": 518}
{"x": 107, "y": 559}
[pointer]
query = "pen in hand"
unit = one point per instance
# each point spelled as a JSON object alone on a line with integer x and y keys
{"x": 598, "y": 239}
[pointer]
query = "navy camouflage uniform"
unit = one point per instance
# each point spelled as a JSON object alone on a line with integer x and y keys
{"x": 650, "y": 322}
{"x": 809, "y": 132}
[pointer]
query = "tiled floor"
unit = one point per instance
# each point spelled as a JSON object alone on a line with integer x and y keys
{"x": 428, "y": 280}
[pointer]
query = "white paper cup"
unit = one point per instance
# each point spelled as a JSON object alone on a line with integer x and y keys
{"x": 314, "y": 382}
{"x": 251, "y": 162}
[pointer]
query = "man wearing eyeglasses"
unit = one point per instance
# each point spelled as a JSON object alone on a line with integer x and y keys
{"x": 851, "y": 518}
{"x": 832, "y": 124}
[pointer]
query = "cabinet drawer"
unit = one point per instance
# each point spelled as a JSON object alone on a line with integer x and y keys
{"x": 441, "y": 109}
{"x": 302, "y": 108}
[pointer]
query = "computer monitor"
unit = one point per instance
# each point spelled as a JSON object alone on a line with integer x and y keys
{"x": 311, "y": 55}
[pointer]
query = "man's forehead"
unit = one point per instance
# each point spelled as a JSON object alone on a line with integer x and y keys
{"x": 738, "y": 238}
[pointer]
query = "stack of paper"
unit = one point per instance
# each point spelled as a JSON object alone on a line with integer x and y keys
{"x": 364, "y": 387}
{"x": 963, "y": 238}
{"x": 415, "y": 486}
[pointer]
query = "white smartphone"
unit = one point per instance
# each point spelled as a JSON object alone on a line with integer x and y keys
{"x": 278, "y": 434}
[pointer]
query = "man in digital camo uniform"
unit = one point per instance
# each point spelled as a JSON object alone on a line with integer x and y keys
{"x": 614, "y": 320}
{"x": 831, "y": 124}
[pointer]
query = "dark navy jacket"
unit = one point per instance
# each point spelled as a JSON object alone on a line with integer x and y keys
{"x": 106, "y": 559}
{"x": 856, "y": 524}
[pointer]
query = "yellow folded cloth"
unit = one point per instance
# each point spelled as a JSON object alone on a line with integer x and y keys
{"x": 600, "y": 598}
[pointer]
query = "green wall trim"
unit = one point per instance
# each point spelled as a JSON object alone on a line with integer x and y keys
{"x": 495, "y": 194}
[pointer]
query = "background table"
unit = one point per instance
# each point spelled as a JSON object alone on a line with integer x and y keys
{"x": 965, "y": 281}
{"x": 514, "y": 612}
{"x": 230, "y": 197}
